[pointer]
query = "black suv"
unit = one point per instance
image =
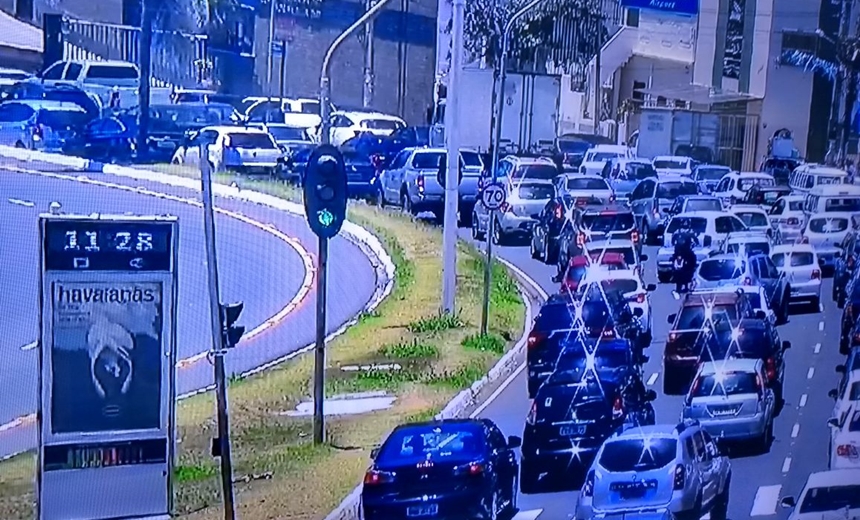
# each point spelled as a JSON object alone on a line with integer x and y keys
{"x": 850, "y": 312}
{"x": 569, "y": 420}
{"x": 548, "y": 228}
{"x": 845, "y": 264}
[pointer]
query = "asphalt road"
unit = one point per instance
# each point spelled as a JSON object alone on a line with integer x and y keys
{"x": 255, "y": 267}
{"x": 801, "y": 433}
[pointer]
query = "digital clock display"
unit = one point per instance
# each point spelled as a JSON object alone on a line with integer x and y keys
{"x": 105, "y": 455}
{"x": 108, "y": 245}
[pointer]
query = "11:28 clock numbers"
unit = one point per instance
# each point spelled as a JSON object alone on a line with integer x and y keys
{"x": 120, "y": 241}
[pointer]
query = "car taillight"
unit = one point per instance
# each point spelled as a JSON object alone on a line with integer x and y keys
{"x": 849, "y": 311}
{"x": 535, "y": 338}
{"x": 476, "y": 468}
{"x": 770, "y": 369}
{"x": 506, "y": 208}
{"x": 375, "y": 477}
{"x": 793, "y": 221}
{"x": 532, "y": 416}
{"x": 419, "y": 181}
{"x": 640, "y": 298}
{"x": 559, "y": 212}
{"x": 747, "y": 281}
{"x": 588, "y": 486}
{"x": 850, "y": 262}
{"x": 617, "y": 408}
{"x": 376, "y": 161}
{"x": 846, "y": 450}
{"x": 680, "y": 477}
{"x": 612, "y": 198}
{"x": 634, "y": 236}
{"x": 816, "y": 274}
{"x": 580, "y": 239}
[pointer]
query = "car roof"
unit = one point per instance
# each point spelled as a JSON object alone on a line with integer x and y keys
{"x": 752, "y": 175}
{"x": 793, "y": 197}
{"x": 697, "y": 299}
{"x": 832, "y": 214}
{"x": 835, "y": 189}
{"x": 708, "y": 214}
{"x": 653, "y": 430}
{"x": 529, "y": 160}
{"x": 575, "y": 175}
{"x": 671, "y": 158}
{"x": 674, "y": 178}
{"x": 733, "y": 364}
{"x": 775, "y": 187}
{"x": 792, "y": 248}
{"x": 821, "y": 169}
{"x": 44, "y": 104}
{"x": 833, "y": 477}
{"x": 723, "y": 256}
{"x": 714, "y": 166}
{"x": 366, "y": 115}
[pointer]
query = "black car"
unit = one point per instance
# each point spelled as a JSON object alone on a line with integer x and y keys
{"x": 109, "y": 139}
{"x": 170, "y": 125}
{"x": 850, "y": 312}
{"x": 845, "y": 264}
{"x": 551, "y": 221}
{"x": 451, "y": 469}
{"x": 552, "y": 325}
{"x": 765, "y": 196}
{"x": 570, "y": 419}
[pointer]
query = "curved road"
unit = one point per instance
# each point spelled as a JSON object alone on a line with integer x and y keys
{"x": 256, "y": 266}
{"x": 801, "y": 433}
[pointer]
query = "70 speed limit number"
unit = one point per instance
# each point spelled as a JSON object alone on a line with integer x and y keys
{"x": 493, "y": 196}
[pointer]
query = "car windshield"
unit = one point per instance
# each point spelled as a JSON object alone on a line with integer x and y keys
{"x": 697, "y": 224}
{"x": 703, "y": 205}
{"x": 596, "y": 315}
{"x": 381, "y": 124}
{"x": 638, "y": 454}
{"x": 607, "y": 222}
{"x": 601, "y": 156}
{"x": 830, "y": 498}
{"x": 710, "y": 174}
{"x": 553, "y": 316}
{"x": 621, "y": 285}
{"x": 63, "y": 118}
{"x": 850, "y": 204}
{"x": 725, "y": 384}
{"x": 545, "y": 172}
{"x": 111, "y": 72}
{"x": 693, "y": 317}
{"x": 251, "y": 140}
{"x": 355, "y": 158}
{"x": 722, "y": 269}
{"x": 746, "y": 184}
{"x": 670, "y": 164}
{"x": 573, "y": 147}
{"x": 310, "y": 107}
{"x": 627, "y": 252}
{"x": 673, "y": 190}
{"x": 452, "y": 442}
{"x": 748, "y": 248}
{"x": 753, "y": 218}
{"x": 795, "y": 259}
{"x": 287, "y": 133}
{"x": 535, "y": 191}
{"x": 427, "y": 161}
{"x": 635, "y": 172}
{"x": 573, "y": 183}
{"x": 828, "y": 225}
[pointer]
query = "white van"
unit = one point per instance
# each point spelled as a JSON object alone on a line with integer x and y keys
{"x": 830, "y": 198}
{"x": 733, "y": 186}
{"x": 807, "y": 176}
{"x": 597, "y": 157}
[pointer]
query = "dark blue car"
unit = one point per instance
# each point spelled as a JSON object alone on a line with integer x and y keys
{"x": 362, "y": 177}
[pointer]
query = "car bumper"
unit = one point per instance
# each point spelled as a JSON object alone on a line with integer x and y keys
{"x": 557, "y": 460}
{"x": 804, "y": 290}
{"x": 515, "y": 224}
{"x": 789, "y": 234}
{"x": 253, "y": 168}
{"x": 736, "y": 429}
{"x": 585, "y": 510}
{"x": 458, "y": 505}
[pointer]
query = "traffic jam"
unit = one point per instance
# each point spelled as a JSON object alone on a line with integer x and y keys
{"x": 740, "y": 253}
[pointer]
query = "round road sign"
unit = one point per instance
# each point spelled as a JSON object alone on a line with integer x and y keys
{"x": 493, "y": 196}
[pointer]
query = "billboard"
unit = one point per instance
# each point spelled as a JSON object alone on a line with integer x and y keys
{"x": 734, "y": 39}
{"x": 106, "y": 367}
{"x": 690, "y": 7}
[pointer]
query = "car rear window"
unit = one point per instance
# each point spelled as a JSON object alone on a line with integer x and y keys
{"x": 673, "y": 190}
{"x": 710, "y": 174}
{"x": 381, "y": 124}
{"x": 725, "y": 384}
{"x": 586, "y": 184}
{"x": 286, "y": 133}
{"x": 471, "y": 159}
{"x": 553, "y": 317}
{"x": 746, "y": 184}
{"x": 703, "y": 205}
{"x": 249, "y": 140}
{"x": 636, "y": 171}
{"x": 575, "y": 360}
{"x": 448, "y": 442}
{"x": 828, "y": 225}
{"x": 693, "y": 317}
{"x": 842, "y": 204}
{"x": 111, "y": 72}
{"x": 627, "y": 252}
{"x": 638, "y": 454}
{"x": 795, "y": 205}
{"x": 607, "y": 222}
{"x": 670, "y": 165}
{"x": 721, "y": 269}
{"x": 63, "y": 118}
{"x": 620, "y": 285}
{"x": 596, "y": 315}
{"x": 753, "y": 218}
{"x": 536, "y": 171}
{"x": 795, "y": 259}
{"x": 830, "y": 498}
{"x": 697, "y": 224}
{"x": 749, "y": 248}
{"x": 602, "y": 156}
{"x": 535, "y": 191}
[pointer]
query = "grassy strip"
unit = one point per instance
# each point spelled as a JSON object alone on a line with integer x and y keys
{"x": 281, "y": 473}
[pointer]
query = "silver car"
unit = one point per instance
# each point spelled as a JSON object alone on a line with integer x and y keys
{"x": 525, "y": 200}
{"x": 731, "y": 401}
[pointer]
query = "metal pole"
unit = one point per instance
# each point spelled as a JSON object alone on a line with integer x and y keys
{"x": 145, "y": 64}
{"x": 325, "y": 82}
{"x": 271, "y": 58}
{"x": 283, "y": 84}
{"x": 367, "y": 93}
{"x": 319, "y": 347}
{"x": 218, "y": 347}
{"x": 497, "y": 138}
{"x": 452, "y": 177}
{"x": 835, "y": 137}
{"x": 847, "y": 75}
{"x": 598, "y": 85}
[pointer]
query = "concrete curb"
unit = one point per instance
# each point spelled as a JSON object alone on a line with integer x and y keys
{"x": 350, "y": 507}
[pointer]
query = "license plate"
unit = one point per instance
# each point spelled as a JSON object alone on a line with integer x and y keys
{"x": 422, "y": 510}
{"x": 722, "y": 412}
{"x": 631, "y": 493}
{"x": 567, "y": 431}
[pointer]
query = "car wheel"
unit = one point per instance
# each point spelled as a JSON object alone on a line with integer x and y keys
{"x": 533, "y": 249}
{"x": 720, "y": 509}
{"x": 816, "y": 304}
{"x": 406, "y": 204}
{"x": 763, "y": 443}
{"x": 692, "y": 514}
{"x": 840, "y": 302}
{"x": 498, "y": 235}
{"x": 477, "y": 234}
{"x": 529, "y": 478}
{"x": 664, "y": 277}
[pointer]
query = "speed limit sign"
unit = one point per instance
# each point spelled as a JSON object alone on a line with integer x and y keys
{"x": 493, "y": 196}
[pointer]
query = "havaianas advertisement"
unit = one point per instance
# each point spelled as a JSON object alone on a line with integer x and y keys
{"x": 106, "y": 356}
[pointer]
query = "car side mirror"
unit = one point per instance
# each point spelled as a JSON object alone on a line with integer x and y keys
{"x": 650, "y": 395}
{"x": 840, "y": 369}
{"x": 786, "y": 345}
{"x": 666, "y": 210}
{"x": 707, "y": 241}
{"x": 838, "y": 254}
{"x": 638, "y": 312}
{"x": 374, "y": 453}
{"x": 833, "y": 394}
{"x": 788, "y": 502}
{"x": 670, "y": 319}
{"x": 760, "y": 315}
{"x": 833, "y": 422}
{"x": 651, "y": 287}
{"x": 514, "y": 442}
{"x": 643, "y": 258}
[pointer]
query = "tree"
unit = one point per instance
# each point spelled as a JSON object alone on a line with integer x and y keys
{"x": 177, "y": 24}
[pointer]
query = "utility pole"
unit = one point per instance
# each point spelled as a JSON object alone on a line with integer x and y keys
{"x": 598, "y": 85}
{"x": 848, "y": 80}
{"x": 221, "y": 446}
{"x": 145, "y": 65}
{"x": 325, "y": 139}
{"x": 452, "y": 145}
{"x": 501, "y": 75}
{"x": 271, "y": 56}
{"x": 367, "y": 92}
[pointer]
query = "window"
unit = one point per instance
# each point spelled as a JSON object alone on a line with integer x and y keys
{"x": 55, "y": 71}
{"x": 471, "y": 159}
{"x": 703, "y": 205}
{"x": 601, "y": 156}
{"x": 400, "y": 160}
{"x": 828, "y": 225}
{"x": 605, "y": 223}
{"x": 851, "y": 204}
{"x": 632, "y": 454}
{"x": 725, "y": 384}
{"x": 697, "y": 224}
{"x": 578, "y": 183}
{"x": 693, "y": 317}
{"x": 778, "y": 208}
{"x": 535, "y": 191}
{"x": 428, "y": 160}
{"x": 724, "y": 225}
{"x": 249, "y": 140}
{"x": 444, "y": 442}
{"x": 831, "y": 498}
{"x": 310, "y": 107}
{"x": 635, "y": 172}
{"x": 795, "y": 259}
{"x": 638, "y": 86}
{"x": 628, "y": 253}
{"x": 795, "y": 205}
{"x": 389, "y": 125}
{"x": 715, "y": 270}
{"x": 286, "y": 133}
{"x": 73, "y": 71}
{"x": 769, "y": 268}
{"x": 112, "y": 72}
{"x": 15, "y": 113}
{"x": 753, "y": 218}
{"x": 671, "y": 165}
{"x": 673, "y": 190}
{"x": 536, "y": 171}
{"x": 748, "y": 248}
{"x": 62, "y": 119}
{"x": 710, "y": 174}
{"x": 746, "y": 184}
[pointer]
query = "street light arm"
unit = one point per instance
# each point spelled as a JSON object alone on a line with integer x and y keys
{"x": 366, "y": 17}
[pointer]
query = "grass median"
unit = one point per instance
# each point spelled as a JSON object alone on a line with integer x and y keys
{"x": 279, "y": 472}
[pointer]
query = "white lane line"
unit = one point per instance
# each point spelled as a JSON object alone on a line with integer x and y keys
{"x": 528, "y": 515}
{"x": 20, "y": 202}
{"x": 820, "y": 325}
{"x": 30, "y": 346}
{"x": 803, "y": 399}
{"x": 810, "y": 373}
{"x": 795, "y": 430}
{"x": 820, "y": 307}
{"x": 817, "y": 348}
{"x": 765, "y": 501}
{"x": 653, "y": 378}
{"x": 786, "y": 465}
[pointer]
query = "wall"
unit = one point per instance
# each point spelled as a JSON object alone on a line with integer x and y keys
{"x": 663, "y": 74}
{"x": 785, "y": 105}
{"x": 666, "y": 35}
{"x": 706, "y": 42}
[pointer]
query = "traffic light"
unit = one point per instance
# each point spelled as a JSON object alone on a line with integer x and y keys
{"x": 231, "y": 332}
{"x": 325, "y": 191}
{"x": 442, "y": 173}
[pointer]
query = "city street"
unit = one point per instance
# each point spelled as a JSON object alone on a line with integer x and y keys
{"x": 801, "y": 433}
{"x": 273, "y": 277}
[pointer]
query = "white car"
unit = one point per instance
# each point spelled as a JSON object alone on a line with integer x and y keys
{"x": 746, "y": 243}
{"x": 756, "y": 295}
{"x": 733, "y": 186}
{"x": 624, "y": 247}
{"x": 833, "y": 494}
{"x": 629, "y": 283}
{"x": 847, "y": 396}
{"x": 595, "y": 159}
{"x": 800, "y": 264}
{"x": 346, "y": 125}
{"x": 585, "y": 186}
{"x": 711, "y": 227}
{"x": 756, "y": 219}
{"x": 787, "y": 216}
{"x": 825, "y": 232}
{"x": 845, "y": 440}
{"x": 235, "y": 148}
{"x": 673, "y": 165}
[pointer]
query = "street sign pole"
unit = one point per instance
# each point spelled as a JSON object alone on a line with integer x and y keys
{"x": 492, "y": 198}
{"x": 319, "y": 345}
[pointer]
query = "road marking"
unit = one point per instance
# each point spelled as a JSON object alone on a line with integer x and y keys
{"x": 766, "y": 499}
{"x": 820, "y": 325}
{"x": 30, "y": 346}
{"x": 528, "y": 515}
{"x": 803, "y": 399}
{"x": 817, "y": 348}
{"x": 706, "y": 517}
{"x": 20, "y": 202}
{"x": 795, "y": 430}
{"x": 653, "y": 378}
{"x": 820, "y": 307}
{"x": 786, "y": 465}
{"x": 810, "y": 373}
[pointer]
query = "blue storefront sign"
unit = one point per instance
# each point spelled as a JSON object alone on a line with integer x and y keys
{"x": 669, "y": 6}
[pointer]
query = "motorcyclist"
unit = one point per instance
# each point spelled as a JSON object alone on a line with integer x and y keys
{"x": 573, "y": 250}
{"x": 685, "y": 259}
